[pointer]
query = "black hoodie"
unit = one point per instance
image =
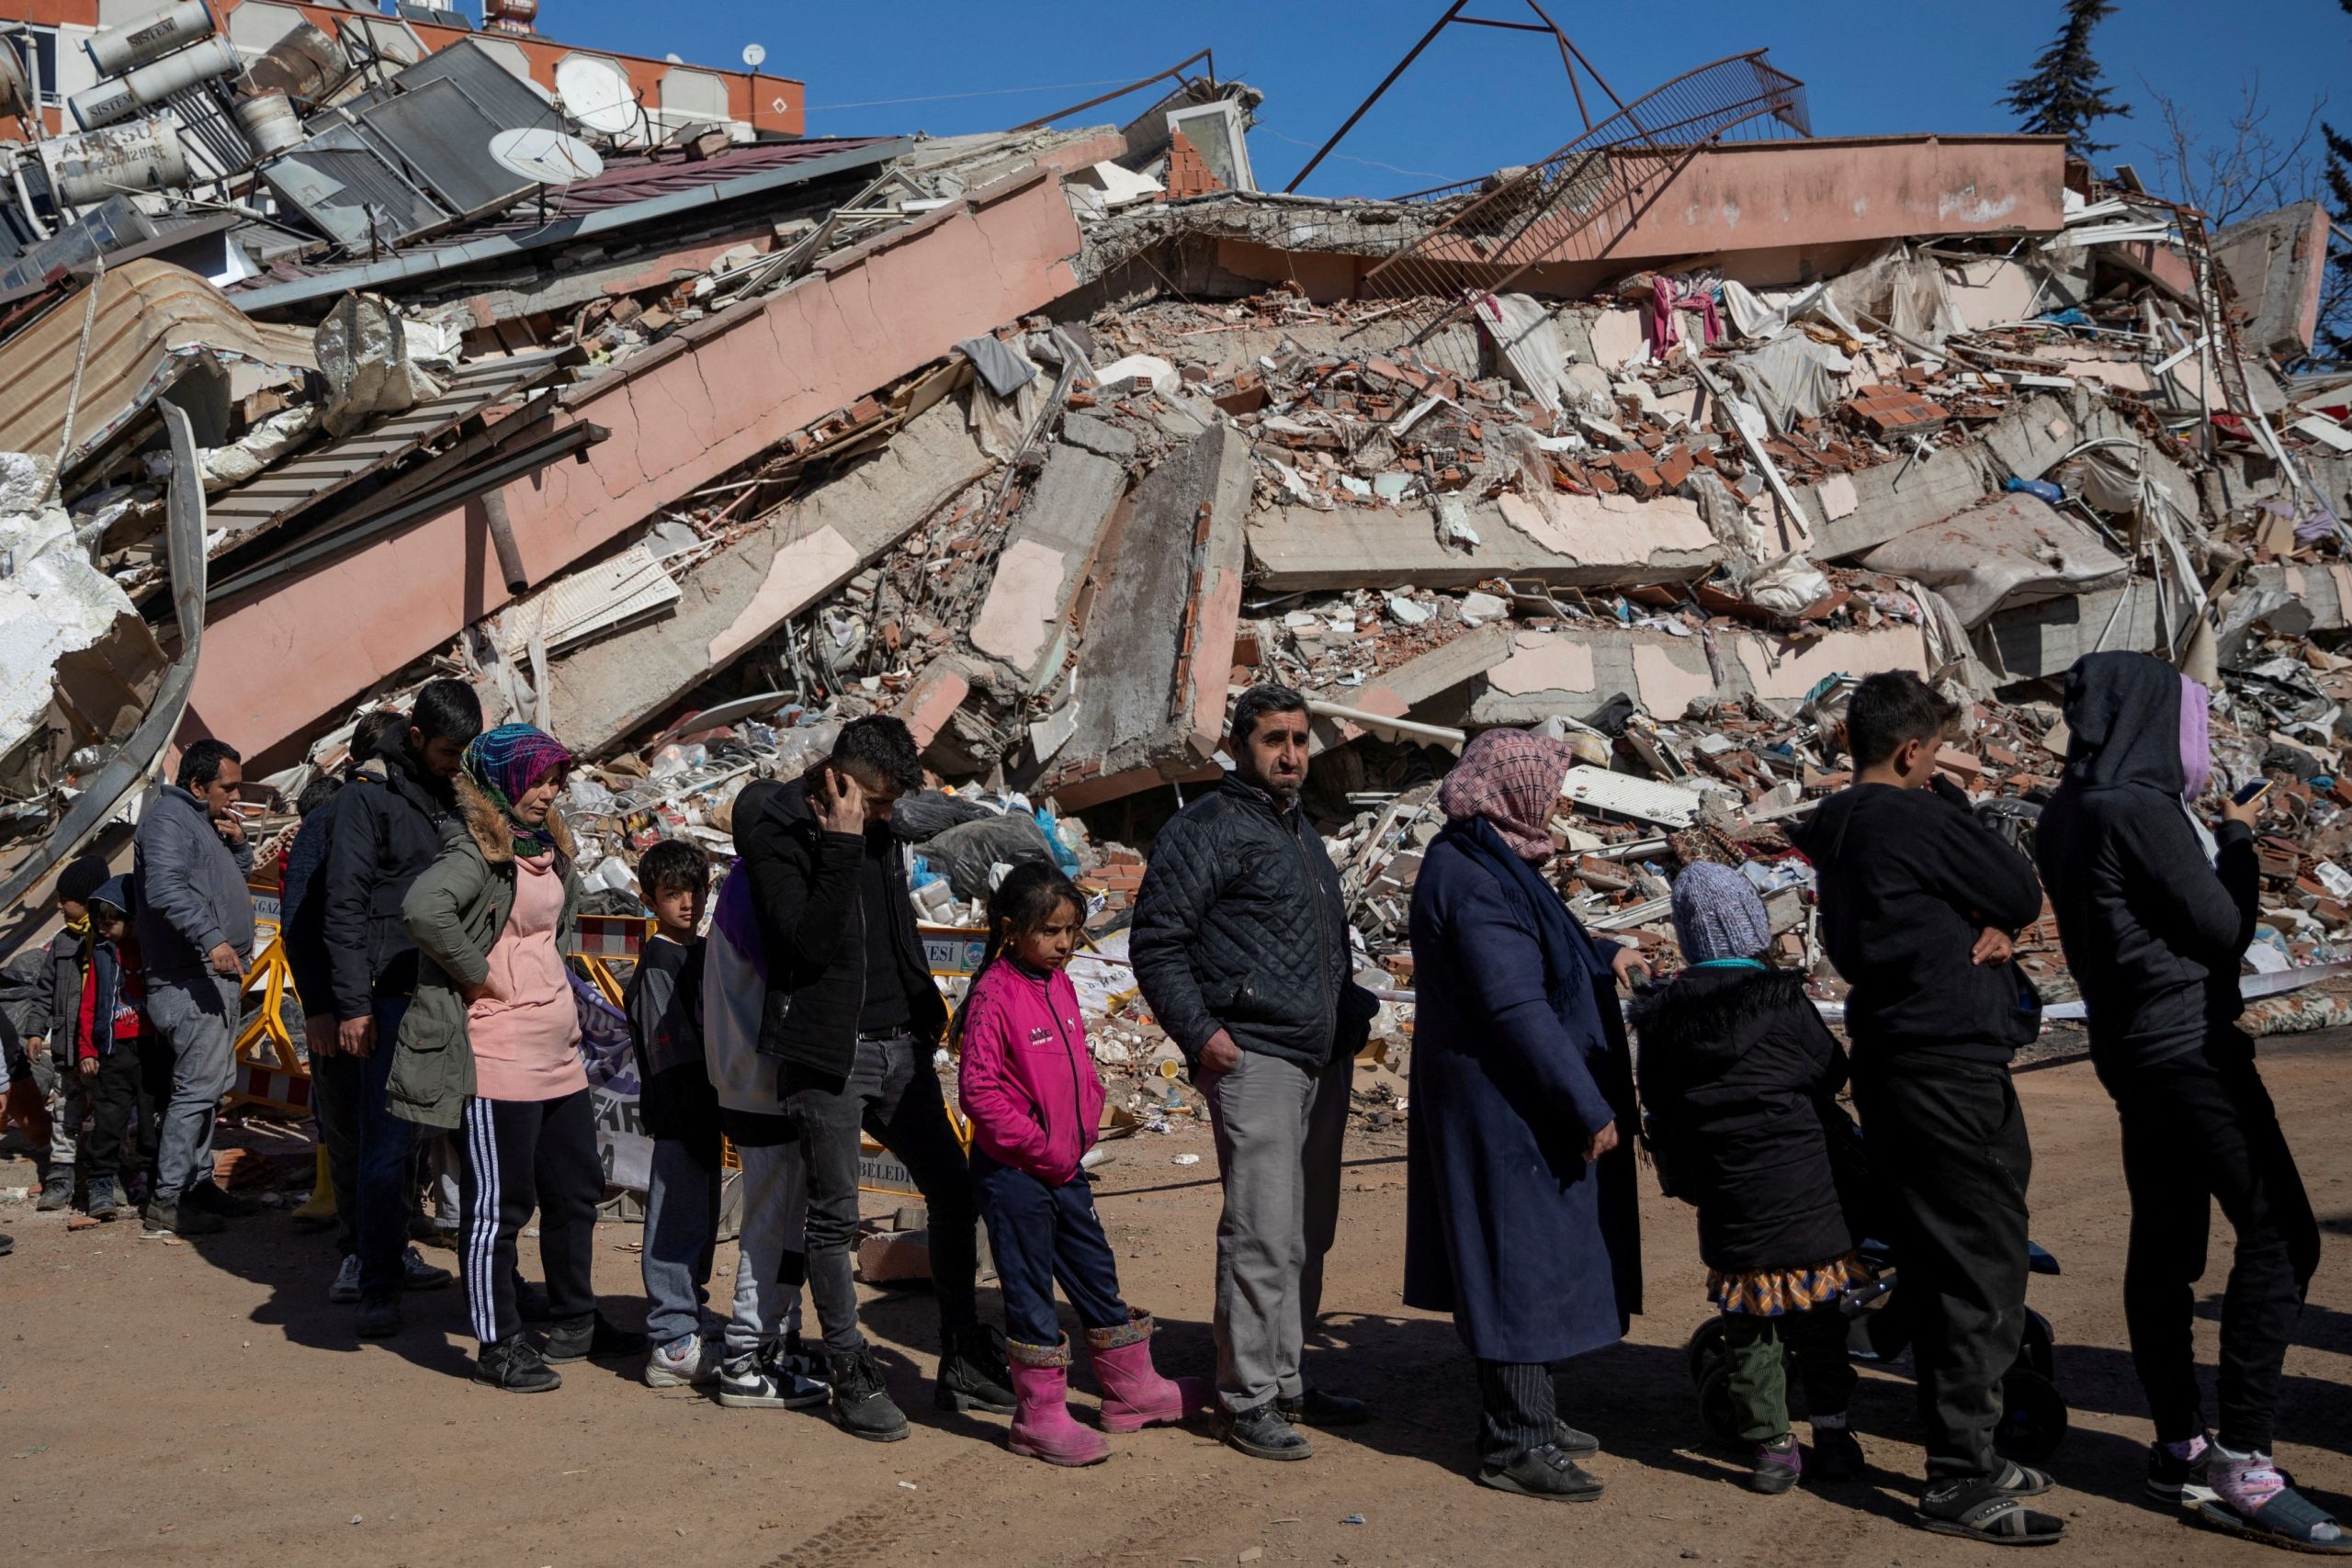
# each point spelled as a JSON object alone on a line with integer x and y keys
{"x": 384, "y": 831}
{"x": 1908, "y": 879}
{"x": 2153, "y": 932}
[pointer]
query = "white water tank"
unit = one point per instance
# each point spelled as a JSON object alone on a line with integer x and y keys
{"x": 153, "y": 82}
{"x": 133, "y": 44}
{"x": 86, "y": 168}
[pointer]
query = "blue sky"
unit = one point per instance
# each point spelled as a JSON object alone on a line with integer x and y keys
{"x": 1479, "y": 98}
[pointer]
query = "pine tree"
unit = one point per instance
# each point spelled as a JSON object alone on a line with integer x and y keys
{"x": 2336, "y": 300}
{"x": 2064, "y": 98}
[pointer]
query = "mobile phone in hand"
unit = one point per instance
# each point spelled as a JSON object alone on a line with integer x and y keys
{"x": 2253, "y": 792}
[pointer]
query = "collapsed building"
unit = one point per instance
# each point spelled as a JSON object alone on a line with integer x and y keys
{"x": 696, "y": 444}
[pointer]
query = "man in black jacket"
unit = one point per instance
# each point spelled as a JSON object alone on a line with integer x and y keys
{"x": 853, "y": 1018}
{"x": 1918, "y": 903}
{"x": 382, "y": 828}
{"x": 2156, "y": 918}
{"x": 1240, "y": 946}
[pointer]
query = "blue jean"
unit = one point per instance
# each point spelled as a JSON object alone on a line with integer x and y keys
{"x": 1042, "y": 1234}
{"x": 681, "y": 1229}
{"x": 353, "y": 1094}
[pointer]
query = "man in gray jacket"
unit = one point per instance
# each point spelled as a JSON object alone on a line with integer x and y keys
{"x": 196, "y": 936}
{"x": 1240, "y": 946}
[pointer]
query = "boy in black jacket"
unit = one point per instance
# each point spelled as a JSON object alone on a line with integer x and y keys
{"x": 1918, "y": 902}
{"x": 65, "y": 959}
{"x": 2156, "y": 916}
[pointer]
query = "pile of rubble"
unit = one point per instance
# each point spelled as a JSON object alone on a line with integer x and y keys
{"x": 1047, "y": 441}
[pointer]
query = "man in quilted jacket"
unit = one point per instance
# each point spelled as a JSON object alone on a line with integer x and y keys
{"x": 1240, "y": 945}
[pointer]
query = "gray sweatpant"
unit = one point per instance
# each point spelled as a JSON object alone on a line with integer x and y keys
{"x": 1278, "y": 1134}
{"x": 198, "y": 1018}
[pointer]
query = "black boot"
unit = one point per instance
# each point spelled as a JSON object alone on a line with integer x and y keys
{"x": 972, "y": 1374}
{"x": 862, "y": 1406}
{"x": 515, "y": 1364}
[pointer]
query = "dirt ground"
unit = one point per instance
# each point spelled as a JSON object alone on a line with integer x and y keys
{"x": 202, "y": 1403}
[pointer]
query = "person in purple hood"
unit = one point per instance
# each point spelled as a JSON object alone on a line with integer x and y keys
{"x": 2155, "y": 912}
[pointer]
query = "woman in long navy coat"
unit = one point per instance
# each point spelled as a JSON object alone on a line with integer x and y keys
{"x": 1520, "y": 1200}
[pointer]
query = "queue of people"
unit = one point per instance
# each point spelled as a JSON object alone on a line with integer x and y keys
{"x": 427, "y": 898}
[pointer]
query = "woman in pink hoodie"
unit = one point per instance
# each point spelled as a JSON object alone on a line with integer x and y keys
{"x": 1028, "y": 1084}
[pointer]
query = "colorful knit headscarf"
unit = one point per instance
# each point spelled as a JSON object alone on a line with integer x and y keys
{"x": 505, "y": 764}
{"x": 1512, "y": 779}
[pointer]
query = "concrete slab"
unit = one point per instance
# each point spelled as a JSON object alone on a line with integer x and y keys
{"x": 736, "y": 598}
{"x": 2278, "y": 261}
{"x": 1047, "y": 552}
{"x": 1853, "y": 512}
{"x": 1099, "y": 436}
{"x": 1548, "y": 672}
{"x": 1158, "y": 647}
{"x": 1599, "y": 541}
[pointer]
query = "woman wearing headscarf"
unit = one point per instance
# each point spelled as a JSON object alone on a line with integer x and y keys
{"x": 2155, "y": 912}
{"x": 1519, "y": 1198}
{"x": 491, "y": 1045}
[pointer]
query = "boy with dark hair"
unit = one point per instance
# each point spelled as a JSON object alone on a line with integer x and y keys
{"x": 678, "y": 1110}
{"x": 1919, "y": 901}
{"x": 59, "y": 1001}
{"x": 851, "y": 1019}
{"x": 382, "y": 830}
{"x": 121, "y": 1065}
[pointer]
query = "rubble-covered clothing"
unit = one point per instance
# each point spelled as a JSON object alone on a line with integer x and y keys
{"x": 1740, "y": 1078}
{"x": 192, "y": 896}
{"x": 1026, "y": 1078}
{"x": 2153, "y": 933}
{"x": 389, "y": 822}
{"x": 663, "y": 1000}
{"x": 1279, "y": 1129}
{"x": 816, "y": 930}
{"x": 1040, "y": 1232}
{"x": 1239, "y": 925}
{"x": 302, "y": 910}
{"x": 455, "y": 912}
{"x": 1908, "y": 880}
{"x": 1519, "y": 1058}
{"x": 1951, "y": 1161}
{"x": 522, "y": 1154}
{"x": 526, "y": 1034}
{"x": 2198, "y": 1129}
{"x": 891, "y": 1091}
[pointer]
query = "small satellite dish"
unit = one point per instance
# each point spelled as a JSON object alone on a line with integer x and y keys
{"x": 674, "y": 59}
{"x": 596, "y": 93}
{"x": 545, "y": 157}
{"x": 753, "y": 54}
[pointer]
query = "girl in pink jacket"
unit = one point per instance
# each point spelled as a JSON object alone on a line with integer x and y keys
{"x": 1028, "y": 1084}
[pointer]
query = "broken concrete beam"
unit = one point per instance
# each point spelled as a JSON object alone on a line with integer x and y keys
{"x": 1573, "y": 671}
{"x": 735, "y": 599}
{"x": 709, "y": 398}
{"x": 2039, "y": 641}
{"x": 1099, "y": 436}
{"x": 932, "y": 700}
{"x": 1158, "y": 648}
{"x": 2278, "y": 261}
{"x": 1853, "y": 512}
{"x": 1047, "y": 552}
{"x": 2008, "y": 550}
{"x": 1583, "y": 541}
{"x": 1416, "y": 681}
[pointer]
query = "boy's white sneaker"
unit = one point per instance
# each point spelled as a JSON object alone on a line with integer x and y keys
{"x": 685, "y": 1362}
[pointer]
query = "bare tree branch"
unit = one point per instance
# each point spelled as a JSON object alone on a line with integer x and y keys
{"x": 2250, "y": 169}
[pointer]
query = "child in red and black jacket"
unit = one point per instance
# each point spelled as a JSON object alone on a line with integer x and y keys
{"x": 125, "y": 1068}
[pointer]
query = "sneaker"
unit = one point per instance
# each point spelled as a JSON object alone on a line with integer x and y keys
{"x": 106, "y": 1198}
{"x": 685, "y": 1362}
{"x": 345, "y": 1289}
{"x": 208, "y": 1197}
{"x": 767, "y": 1383}
{"x": 1317, "y": 1408}
{"x": 1543, "y": 1472}
{"x": 862, "y": 1406}
{"x": 1776, "y": 1466}
{"x": 179, "y": 1219}
{"x": 593, "y": 1339}
{"x": 1264, "y": 1433}
{"x": 2176, "y": 1478}
{"x": 381, "y": 1319}
{"x": 416, "y": 1274}
{"x": 1836, "y": 1455}
{"x": 516, "y": 1365}
{"x": 972, "y": 1374}
{"x": 791, "y": 1356}
{"x": 57, "y": 1191}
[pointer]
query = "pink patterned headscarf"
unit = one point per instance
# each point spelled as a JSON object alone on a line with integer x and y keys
{"x": 1512, "y": 779}
{"x": 2196, "y": 737}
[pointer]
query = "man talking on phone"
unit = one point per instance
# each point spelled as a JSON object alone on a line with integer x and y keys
{"x": 851, "y": 1018}
{"x": 2155, "y": 913}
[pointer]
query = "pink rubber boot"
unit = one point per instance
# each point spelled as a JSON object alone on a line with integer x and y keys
{"x": 1042, "y": 1427}
{"x": 1134, "y": 1394}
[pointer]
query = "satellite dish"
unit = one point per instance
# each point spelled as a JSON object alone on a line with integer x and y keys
{"x": 545, "y": 157}
{"x": 753, "y": 54}
{"x": 596, "y": 93}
